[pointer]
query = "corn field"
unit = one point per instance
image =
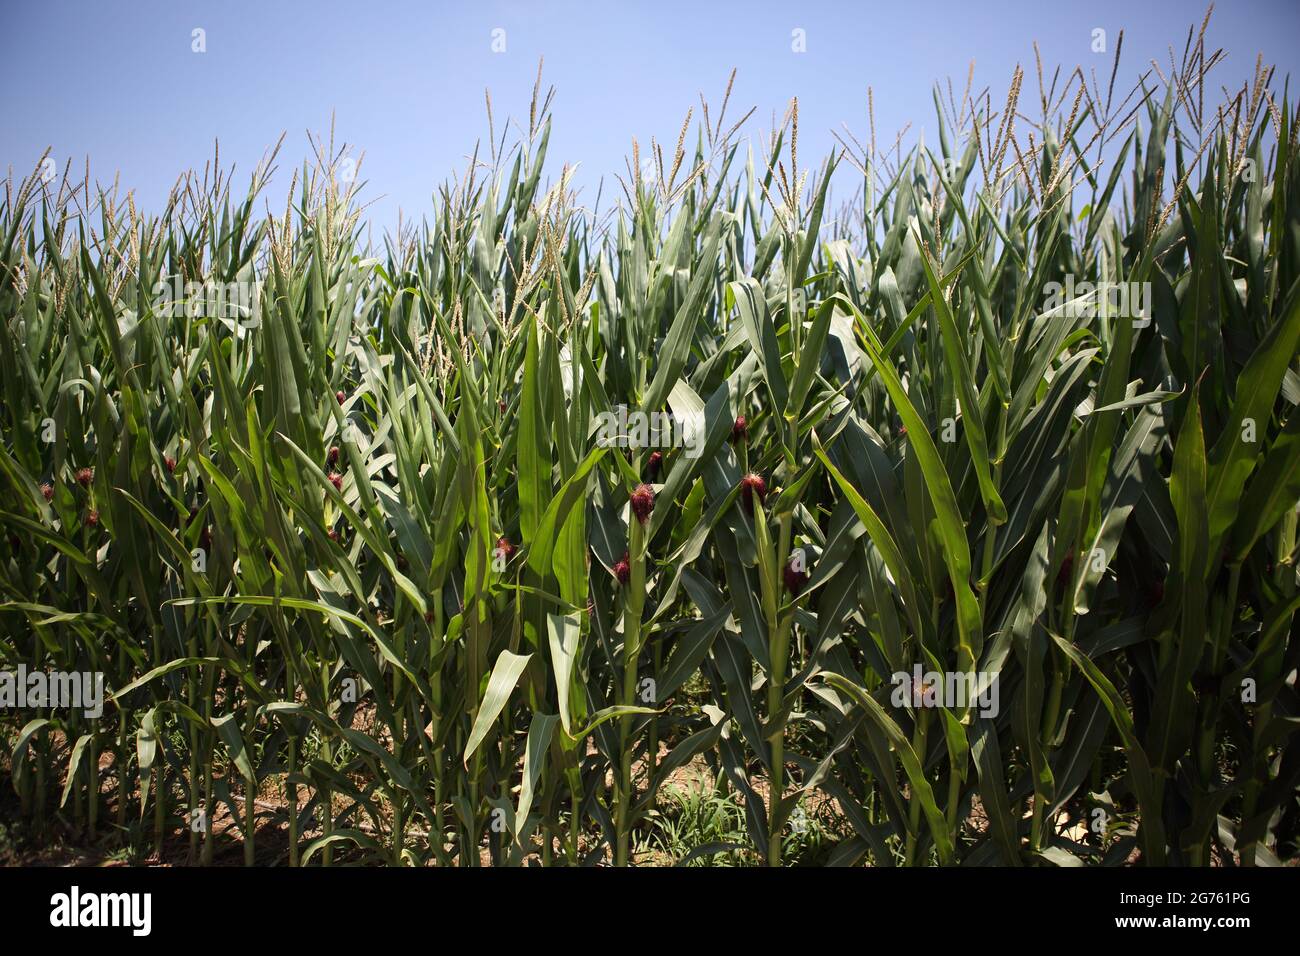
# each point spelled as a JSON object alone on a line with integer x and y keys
{"x": 367, "y": 581}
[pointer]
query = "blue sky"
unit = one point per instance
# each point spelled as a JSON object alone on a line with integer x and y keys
{"x": 118, "y": 81}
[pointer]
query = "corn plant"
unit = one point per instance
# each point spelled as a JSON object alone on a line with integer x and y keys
{"x": 368, "y": 582}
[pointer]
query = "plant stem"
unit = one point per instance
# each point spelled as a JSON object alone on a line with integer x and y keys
{"x": 632, "y": 610}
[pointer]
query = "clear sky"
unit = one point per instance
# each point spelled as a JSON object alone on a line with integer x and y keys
{"x": 118, "y": 81}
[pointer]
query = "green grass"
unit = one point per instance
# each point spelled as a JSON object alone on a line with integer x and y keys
{"x": 1099, "y": 512}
